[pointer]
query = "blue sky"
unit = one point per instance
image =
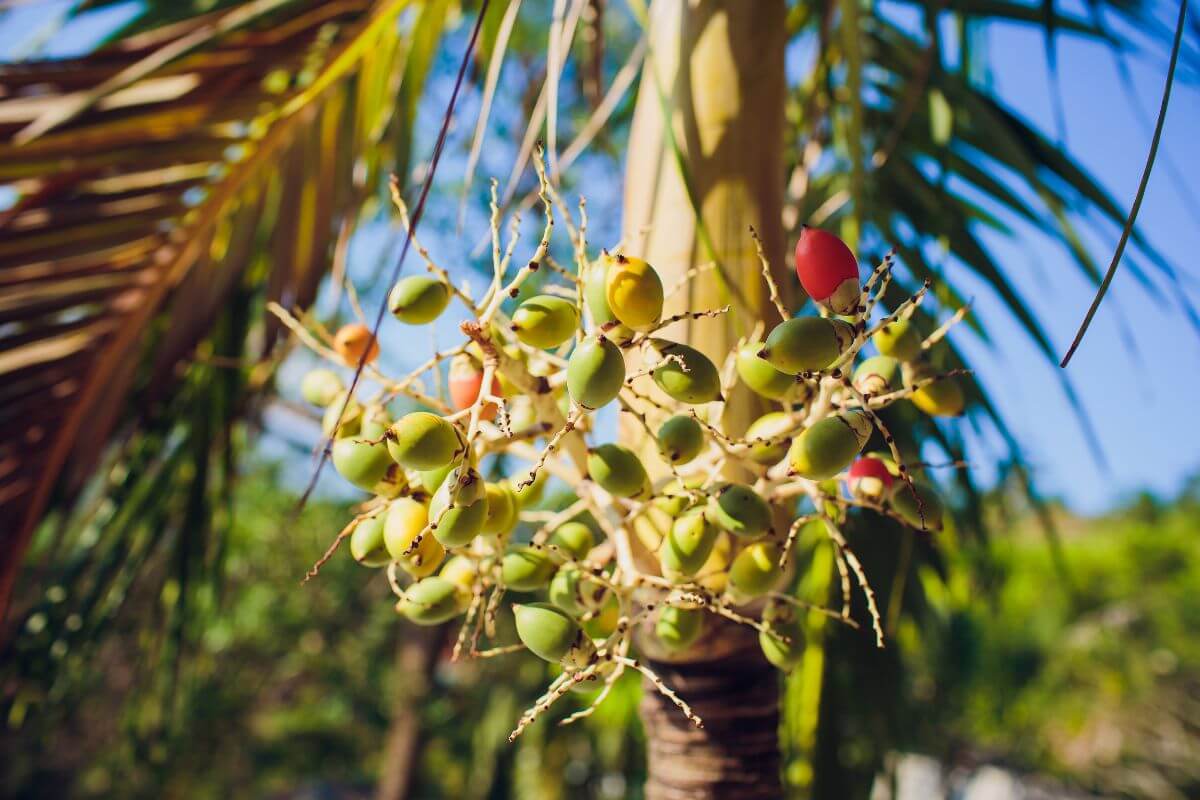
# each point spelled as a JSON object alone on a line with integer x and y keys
{"x": 1136, "y": 400}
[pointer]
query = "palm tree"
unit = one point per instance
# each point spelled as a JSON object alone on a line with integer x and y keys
{"x": 166, "y": 186}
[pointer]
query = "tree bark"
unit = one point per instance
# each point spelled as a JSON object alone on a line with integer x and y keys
{"x": 716, "y": 71}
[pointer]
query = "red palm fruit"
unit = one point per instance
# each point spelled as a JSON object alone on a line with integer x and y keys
{"x": 352, "y": 340}
{"x": 828, "y": 270}
{"x": 466, "y": 378}
{"x": 870, "y": 478}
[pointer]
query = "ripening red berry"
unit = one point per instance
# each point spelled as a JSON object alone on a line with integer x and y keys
{"x": 466, "y": 378}
{"x": 828, "y": 270}
{"x": 870, "y": 478}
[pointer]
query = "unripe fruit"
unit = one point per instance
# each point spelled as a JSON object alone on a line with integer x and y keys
{"x": 575, "y": 592}
{"x": 525, "y": 569}
{"x": 432, "y": 601}
{"x": 680, "y": 439}
{"x": 785, "y": 621}
{"x": 320, "y": 386}
{"x": 461, "y": 571}
{"x": 423, "y": 441}
{"x": 464, "y": 521}
{"x": 942, "y": 398}
{"x": 714, "y": 574}
{"x": 756, "y": 570}
{"x": 465, "y": 381}
{"x": 432, "y": 479}
{"x": 405, "y": 519}
{"x": 366, "y": 543}
{"x": 393, "y": 483}
{"x": 351, "y": 418}
{"x": 634, "y": 291}
{"x": 604, "y": 624}
{"x": 899, "y": 339}
{"x": 806, "y": 343}
{"x": 762, "y": 378}
{"x": 828, "y": 447}
{"x": 877, "y": 375}
{"x": 927, "y": 514}
{"x": 770, "y": 427}
{"x": 361, "y": 463}
{"x": 545, "y": 321}
{"x": 617, "y": 470}
{"x": 501, "y": 508}
{"x": 418, "y": 299}
{"x": 553, "y": 636}
{"x": 375, "y": 422}
{"x": 575, "y": 539}
{"x": 870, "y": 478}
{"x": 687, "y": 545}
{"x": 696, "y": 381}
{"x": 740, "y": 510}
{"x": 596, "y": 298}
{"x": 679, "y": 628}
{"x": 595, "y": 372}
{"x": 828, "y": 270}
{"x": 530, "y": 495}
{"x": 352, "y": 341}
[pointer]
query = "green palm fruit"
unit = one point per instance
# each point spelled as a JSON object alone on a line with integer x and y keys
{"x": 596, "y": 298}
{"x": 545, "y": 321}
{"x": 550, "y": 634}
{"x": 575, "y": 592}
{"x": 877, "y": 375}
{"x": 393, "y": 483}
{"x": 787, "y": 652}
{"x": 634, "y": 291}
{"x": 923, "y": 509}
{"x": 366, "y": 543}
{"x": 680, "y": 439}
{"x": 762, "y": 378}
{"x": 595, "y": 372}
{"x": 604, "y": 623}
{"x": 418, "y": 299}
{"x": 687, "y": 545}
{"x": 942, "y": 398}
{"x": 828, "y": 447}
{"x": 714, "y": 574}
{"x": 770, "y": 427}
{"x": 755, "y": 570}
{"x": 465, "y": 518}
{"x": 461, "y": 571}
{"x": 617, "y": 470}
{"x": 431, "y": 479}
{"x": 695, "y": 381}
{"x": 801, "y": 344}
{"x": 501, "y": 508}
{"x": 530, "y": 495}
{"x": 740, "y": 510}
{"x": 432, "y": 601}
{"x": 320, "y": 386}
{"x": 361, "y": 463}
{"x": 351, "y": 417}
{"x": 899, "y": 339}
{"x": 526, "y": 569}
{"x": 424, "y": 441}
{"x": 575, "y": 539}
{"x": 679, "y": 628}
{"x": 405, "y": 519}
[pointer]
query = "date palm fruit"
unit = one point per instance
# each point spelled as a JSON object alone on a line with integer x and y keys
{"x": 526, "y": 568}
{"x": 740, "y": 510}
{"x": 431, "y": 479}
{"x": 360, "y": 462}
{"x": 404, "y": 520}
{"x": 770, "y": 427}
{"x": 762, "y": 378}
{"x": 801, "y": 344}
{"x": 596, "y": 297}
{"x": 501, "y": 508}
{"x": 942, "y": 398}
{"x": 393, "y": 483}
{"x": 575, "y": 539}
{"x": 550, "y": 634}
{"x": 604, "y": 623}
{"x": 828, "y": 447}
{"x": 755, "y": 570}
{"x": 634, "y": 291}
{"x": 899, "y": 339}
{"x": 595, "y": 372}
{"x": 423, "y": 441}
{"x": 465, "y": 517}
{"x": 786, "y": 650}
{"x": 714, "y": 573}
{"x": 366, "y": 543}
{"x": 530, "y": 495}
{"x": 418, "y": 299}
{"x": 617, "y": 470}
{"x": 878, "y": 375}
{"x": 461, "y": 571}
{"x": 575, "y": 592}
{"x": 320, "y": 386}
{"x": 828, "y": 270}
{"x": 920, "y": 505}
{"x": 351, "y": 417}
{"x": 680, "y": 439}
{"x": 679, "y": 628}
{"x": 465, "y": 381}
{"x": 352, "y": 341}
{"x": 870, "y": 478}
{"x": 522, "y": 415}
{"x": 432, "y": 601}
{"x": 694, "y": 381}
{"x": 687, "y": 545}
{"x": 545, "y": 321}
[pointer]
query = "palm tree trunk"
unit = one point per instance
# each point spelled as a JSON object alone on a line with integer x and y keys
{"x": 692, "y": 191}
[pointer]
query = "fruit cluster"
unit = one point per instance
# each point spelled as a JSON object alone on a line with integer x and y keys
{"x": 659, "y": 539}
